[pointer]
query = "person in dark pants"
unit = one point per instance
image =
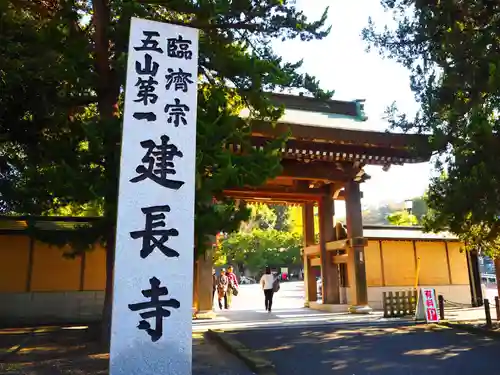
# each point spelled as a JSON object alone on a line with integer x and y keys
{"x": 214, "y": 285}
{"x": 222, "y": 285}
{"x": 267, "y": 282}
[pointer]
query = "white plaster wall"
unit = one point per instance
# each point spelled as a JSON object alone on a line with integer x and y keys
{"x": 453, "y": 293}
{"x": 50, "y": 307}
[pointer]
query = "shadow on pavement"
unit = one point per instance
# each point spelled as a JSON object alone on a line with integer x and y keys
{"x": 53, "y": 351}
{"x": 66, "y": 350}
{"x": 373, "y": 350}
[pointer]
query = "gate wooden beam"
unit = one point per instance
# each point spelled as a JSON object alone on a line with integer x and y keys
{"x": 315, "y": 170}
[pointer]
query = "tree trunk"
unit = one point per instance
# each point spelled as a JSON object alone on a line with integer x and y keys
{"x": 108, "y": 297}
{"x": 108, "y": 91}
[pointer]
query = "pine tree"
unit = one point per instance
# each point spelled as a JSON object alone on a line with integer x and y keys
{"x": 63, "y": 73}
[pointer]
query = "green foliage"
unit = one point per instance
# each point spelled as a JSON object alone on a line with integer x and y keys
{"x": 402, "y": 218}
{"x": 62, "y": 77}
{"x": 378, "y": 215}
{"x": 450, "y": 49}
{"x": 392, "y": 213}
{"x": 258, "y": 248}
{"x": 419, "y": 208}
{"x": 262, "y": 239}
{"x": 283, "y": 219}
{"x": 219, "y": 259}
{"x": 261, "y": 216}
{"x": 474, "y": 236}
{"x": 267, "y": 216}
{"x": 92, "y": 209}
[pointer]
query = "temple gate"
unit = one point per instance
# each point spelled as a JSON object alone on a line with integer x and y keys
{"x": 323, "y": 161}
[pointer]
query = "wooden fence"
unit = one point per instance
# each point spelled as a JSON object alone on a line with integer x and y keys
{"x": 401, "y": 303}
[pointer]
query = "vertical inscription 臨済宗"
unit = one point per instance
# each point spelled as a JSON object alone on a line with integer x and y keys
{"x": 152, "y": 297}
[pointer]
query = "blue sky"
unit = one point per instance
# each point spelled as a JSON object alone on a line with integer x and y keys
{"x": 341, "y": 63}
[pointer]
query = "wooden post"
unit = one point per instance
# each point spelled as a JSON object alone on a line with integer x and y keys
{"x": 397, "y": 303}
{"x": 329, "y": 271}
{"x": 474, "y": 280}
{"x": 497, "y": 307}
{"x": 417, "y": 269}
{"x": 204, "y": 288}
{"x": 310, "y": 286}
{"x": 356, "y": 254}
{"x": 384, "y": 304}
{"x": 414, "y": 299}
{"x": 441, "y": 306}
{"x": 31, "y": 258}
{"x": 406, "y": 302}
{"x": 382, "y": 270}
{"x": 487, "y": 312}
{"x": 448, "y": 265}
{"x": 391, "y": 304}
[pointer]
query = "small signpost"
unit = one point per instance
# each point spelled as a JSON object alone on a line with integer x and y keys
{"x": 427, "y": 308}
{"x": 153, "y": 274}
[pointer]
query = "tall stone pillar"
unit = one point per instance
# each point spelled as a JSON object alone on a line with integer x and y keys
{"x": 310, "y": 286}
{"x": 329, "y": 271}
{"x": 356, "y": 253}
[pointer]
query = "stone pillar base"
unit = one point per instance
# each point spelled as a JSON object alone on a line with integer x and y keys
{"x": 205, "y": 315}
{"x": 360, "y": 309}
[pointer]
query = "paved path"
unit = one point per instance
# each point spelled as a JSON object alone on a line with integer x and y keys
{"x": 251, "y": 297}
{"x": 210, "y": 359}
{"x": 490, "y": 292}
{"x": 374, "y": 350}
{"x": 248, "y": 311}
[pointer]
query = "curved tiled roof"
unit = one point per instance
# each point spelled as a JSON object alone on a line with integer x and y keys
{"x": 13, "y": 224}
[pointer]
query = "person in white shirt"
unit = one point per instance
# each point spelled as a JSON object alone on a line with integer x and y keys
{"x": 267, "y": 282}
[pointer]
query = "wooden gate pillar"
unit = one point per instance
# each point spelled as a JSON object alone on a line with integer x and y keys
{"x": 310, "y": 286}
{"x": 329, "y": 271}
{"x": 203, "y": 302}
{"x": 356, "y": 252}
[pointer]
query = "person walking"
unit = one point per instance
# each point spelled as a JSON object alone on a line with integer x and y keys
{"x": 214, "y": 285}
{"x": 267, "y": 281}
{"x": 232, "y": 288}
{"x": 222, "y": 288}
